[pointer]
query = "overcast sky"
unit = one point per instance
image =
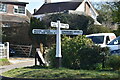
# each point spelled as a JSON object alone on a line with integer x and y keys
{"x": 35, "y": 4}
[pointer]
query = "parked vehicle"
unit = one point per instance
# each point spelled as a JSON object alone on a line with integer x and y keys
{"x": 12, "y": 52}
{"x": 102, "y": 39}
{"x": 114, "y": 45}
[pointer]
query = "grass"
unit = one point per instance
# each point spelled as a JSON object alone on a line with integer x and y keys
{"x": 36, "y": 72}
{"x": 4, "y": 61}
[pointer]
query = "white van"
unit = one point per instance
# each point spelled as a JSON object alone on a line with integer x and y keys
{"x": 102, "y": 39}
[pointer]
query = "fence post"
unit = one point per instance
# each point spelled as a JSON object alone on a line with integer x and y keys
{"x": 7, "y": 48}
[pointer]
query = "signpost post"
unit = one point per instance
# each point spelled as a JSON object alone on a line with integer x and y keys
{"x": 58, "y": 33}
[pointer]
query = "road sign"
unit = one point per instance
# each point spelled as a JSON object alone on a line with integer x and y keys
{"x": 41, "y": 31}
{"x": 66, "y": 32}
{"x": 62, "y": 25}
{"x": 58, "y": 33}
{"x": 72, "y": 32}
{"x": 54, "y": 24}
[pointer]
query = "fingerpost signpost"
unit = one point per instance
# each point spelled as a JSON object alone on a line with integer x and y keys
{"x": 58, "y": 33}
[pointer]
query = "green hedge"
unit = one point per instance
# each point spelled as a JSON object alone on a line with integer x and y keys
{"x": 77, "y": 53}
{"x": 113, "y": 62}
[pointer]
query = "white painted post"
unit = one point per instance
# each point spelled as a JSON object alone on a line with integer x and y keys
{"x": 7, "y": 47}
{"x": 58, "y": 43}
{"x": 58, "y": 46}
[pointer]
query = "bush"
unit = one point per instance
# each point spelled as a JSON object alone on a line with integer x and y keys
{"x": 117, "y": 32}
{"x": 97, "y": 29}
{"x": 113, "y": 62}
{"x": 89, "y": 57}
{"x": 77, "y": 53}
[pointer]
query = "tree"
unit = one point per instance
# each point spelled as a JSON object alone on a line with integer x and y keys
{"x": 76, "y": 22}
{"x": 105, "y": 13}
{"x": 115, "y": 11}
{"x": 36, "y": 38}
{"x": 97, "y": 29}
{"x": 80, "y": 22}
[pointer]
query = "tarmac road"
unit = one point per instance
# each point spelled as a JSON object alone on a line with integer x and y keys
{"x": 18, "y": 63}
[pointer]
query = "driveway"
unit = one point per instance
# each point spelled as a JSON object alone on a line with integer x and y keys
{"x": 17, "y": 63}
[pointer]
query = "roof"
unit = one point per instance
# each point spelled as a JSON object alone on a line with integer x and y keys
{"x": 16, "y": 2}
{"x": 57, "y": 7}
{"x": 99, "y": 34}
{"x": 9, "y": 1}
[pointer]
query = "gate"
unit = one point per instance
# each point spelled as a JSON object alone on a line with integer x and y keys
{"x": 22, "y": 50}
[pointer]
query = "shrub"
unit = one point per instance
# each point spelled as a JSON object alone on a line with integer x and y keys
{"x": 113, "y": 62}
{"x": 117, "y": 32}
{"x": 89, "y": 57}
{"x": 77, "y": 53}
{"x": 98, "y": 29}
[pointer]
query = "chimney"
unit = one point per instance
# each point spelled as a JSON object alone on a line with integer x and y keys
{"x": 47, "y": 1}
{"x": 35, "y": 10}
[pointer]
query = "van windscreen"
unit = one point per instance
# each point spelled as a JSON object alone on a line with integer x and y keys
{"x": 97, "y": 39}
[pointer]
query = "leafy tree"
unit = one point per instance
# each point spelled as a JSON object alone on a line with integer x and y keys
{"x": 105, "y": 13}
{"x": 109, "y": 12}
{"x": 16, "y": 35}
{"x": 75, "y": 21}
{"x": 117, "y": 32}
{"x": 115, "y": 11}
{"x": 36, "y": 38}
{"x": 97, "y": 29}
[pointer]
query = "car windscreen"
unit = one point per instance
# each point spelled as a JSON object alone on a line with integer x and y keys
{"x": 97, "y": 39}
{"x": 117, "y": 40}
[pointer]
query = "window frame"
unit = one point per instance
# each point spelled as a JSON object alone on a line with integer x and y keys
{"x": 3, "y": 7}
{"x": 19, "y": 9}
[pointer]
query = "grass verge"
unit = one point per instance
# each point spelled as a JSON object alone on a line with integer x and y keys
{"x": 4, "y": 61}
{"x": 36, "y": 72}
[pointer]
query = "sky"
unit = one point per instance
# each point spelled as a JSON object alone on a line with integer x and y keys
{"x": 36, "y": 4}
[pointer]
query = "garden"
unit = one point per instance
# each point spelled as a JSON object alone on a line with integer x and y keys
{"x": 82, "y": 59}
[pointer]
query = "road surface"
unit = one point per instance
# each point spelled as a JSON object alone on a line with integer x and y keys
{"x": 17, "y": 63}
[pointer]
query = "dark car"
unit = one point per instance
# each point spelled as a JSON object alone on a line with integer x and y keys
{"x": 12, "y": 52}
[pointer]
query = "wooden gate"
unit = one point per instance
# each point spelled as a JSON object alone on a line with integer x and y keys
{"x": 22, "y": 50}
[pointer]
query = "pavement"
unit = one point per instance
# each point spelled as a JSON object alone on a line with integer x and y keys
{"x": 17, "y": 63}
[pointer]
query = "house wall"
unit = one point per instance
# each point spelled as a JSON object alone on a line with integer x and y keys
{"x": 10, "y": 8}
{"x": 87, "y": 9}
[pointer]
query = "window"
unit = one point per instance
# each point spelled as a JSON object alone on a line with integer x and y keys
{"x": 115, "y": 41}
{"x": 3, "y": 7}
{"x": 107, "y": 39}
{"x": 19, "y": 9}
{"x": 97, "y": 39}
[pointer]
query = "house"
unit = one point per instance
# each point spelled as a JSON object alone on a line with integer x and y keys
{"x": 81, "y": 7}
{"x": 14, "y": 22}
{"x": 12, "y": 13}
